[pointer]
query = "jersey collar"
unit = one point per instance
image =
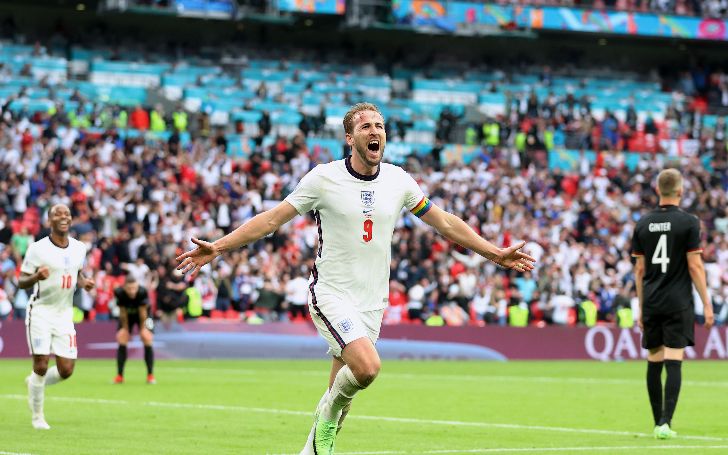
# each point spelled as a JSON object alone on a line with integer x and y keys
{"x": 359, "y": 176}
{"x": 57, "y": 245}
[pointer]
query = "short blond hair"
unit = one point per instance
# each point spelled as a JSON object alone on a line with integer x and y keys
{"x": 355, "y": 109}
{"x": 669, "y": 182}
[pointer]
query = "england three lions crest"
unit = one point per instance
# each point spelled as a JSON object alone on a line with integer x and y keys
{"x": 367, "y": 198}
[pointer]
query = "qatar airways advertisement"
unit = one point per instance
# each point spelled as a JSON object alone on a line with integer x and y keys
{"x": 300, "y": 341}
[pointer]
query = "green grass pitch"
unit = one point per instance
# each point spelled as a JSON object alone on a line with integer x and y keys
{"x": 265, "y": 407}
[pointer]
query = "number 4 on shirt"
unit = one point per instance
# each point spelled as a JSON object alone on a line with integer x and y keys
{"x": 660, "y": 255}
{"x": 368, "y": 225}
{"x": 66, "y": 281}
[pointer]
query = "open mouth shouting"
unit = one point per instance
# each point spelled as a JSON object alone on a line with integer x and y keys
{"x": 373, "y": 145}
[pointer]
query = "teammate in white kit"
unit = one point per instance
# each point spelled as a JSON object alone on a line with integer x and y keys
{"x": 356, "y": 202}
{"x": 52, "y": 267}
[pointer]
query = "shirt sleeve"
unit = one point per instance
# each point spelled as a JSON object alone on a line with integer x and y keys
{"x": 637, "y": 249}
{"x": 31, "y": 262}
{"x": 120, "y": 300}
{"x": 414, "y": 199}
{"x": 693, "y": 245}
{"x": 308, "y": 192}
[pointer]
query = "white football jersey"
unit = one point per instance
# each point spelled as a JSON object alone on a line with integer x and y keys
{"x": 55, "y": 293}
{"x": 356, "y": 215}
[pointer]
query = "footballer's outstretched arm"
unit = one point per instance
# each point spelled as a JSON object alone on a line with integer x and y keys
{"x": 457, "y": 230}
{"x": 257, "y": 227}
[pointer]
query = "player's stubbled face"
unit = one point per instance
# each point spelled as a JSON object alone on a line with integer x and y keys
{"x": 60, "y": 219}
{"x": 369, "y": 137}
{"x": 131, "y": 289}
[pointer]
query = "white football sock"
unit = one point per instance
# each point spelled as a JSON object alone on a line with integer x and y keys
{"x": 323, "y": 400}
{"x": 53, "y": 376}
{"x": 36, "y": 389}
{"x": 341, "y": 393}
{"x": 344, "y": 413}
{"x": 37, "y": 379}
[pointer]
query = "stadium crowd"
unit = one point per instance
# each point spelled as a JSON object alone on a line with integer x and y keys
{"x": 136, "y": 205}
{"x": 137, "y": 201}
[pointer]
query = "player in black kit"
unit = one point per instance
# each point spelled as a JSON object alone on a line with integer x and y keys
{"x": 133, "y": 301}
{"x": 666, "y": 246}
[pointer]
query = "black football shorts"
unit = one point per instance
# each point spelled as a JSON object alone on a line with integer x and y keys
{"x": 133, "y": 322}
{"x": 673, "y": 330}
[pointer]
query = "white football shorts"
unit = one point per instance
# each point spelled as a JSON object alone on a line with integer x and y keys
{"x": 339, "y": 323}
{"x": 49, "y": 333}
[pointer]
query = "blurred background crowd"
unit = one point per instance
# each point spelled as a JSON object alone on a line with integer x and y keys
{"x": 185, "y": 145}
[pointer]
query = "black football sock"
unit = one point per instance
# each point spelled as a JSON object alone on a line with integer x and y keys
{"x": 149, "y": 359}
{"x": 672, "y": 389}
{"x": 654, "y": 388}
{"x": 120, "y": 359}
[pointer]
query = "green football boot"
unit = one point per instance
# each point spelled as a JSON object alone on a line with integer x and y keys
{"x": 325, "y": 436}
{"x": 664, "y": 432}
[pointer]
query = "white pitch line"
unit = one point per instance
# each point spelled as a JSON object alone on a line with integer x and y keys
{"x": 536, "y": 449}
{"x": 13, "y": 453}
{"x": 215, "y": 407}
{"x": 159, "y": 404}
{"x": 460, "y": 377}
{"x": 380, "y": 452}
{"x": 573, "y": 449}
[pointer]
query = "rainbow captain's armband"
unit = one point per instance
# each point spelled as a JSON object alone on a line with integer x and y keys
{"x": 422, "y": 207}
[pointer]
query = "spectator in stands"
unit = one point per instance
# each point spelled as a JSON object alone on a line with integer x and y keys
{"x": 451, "y": 312}
{"x": 147, "y": 195}
{"x": 139, "y": 118}
{"x": 483, "y": 308}
{"x": 501, "y": 306}
{"x": 297, "y": 296}
{"x": 6, "y": 308}
{"x": 6, "y": 232}
{"x": 20, "y": 241}
{"x": 416, "y": 300}
{"x": 526, "y": 286}
{"x": 561, "y": 307}
{"x": 270, "y": 304}
{"x": 205, "y": 287}
{"x": 224, "y": 286}
{"x": 445, "y": 125}
{"x": 139, "y": 270}
{"x": 171, "y": 296}
{"x": 264, "y": 125}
